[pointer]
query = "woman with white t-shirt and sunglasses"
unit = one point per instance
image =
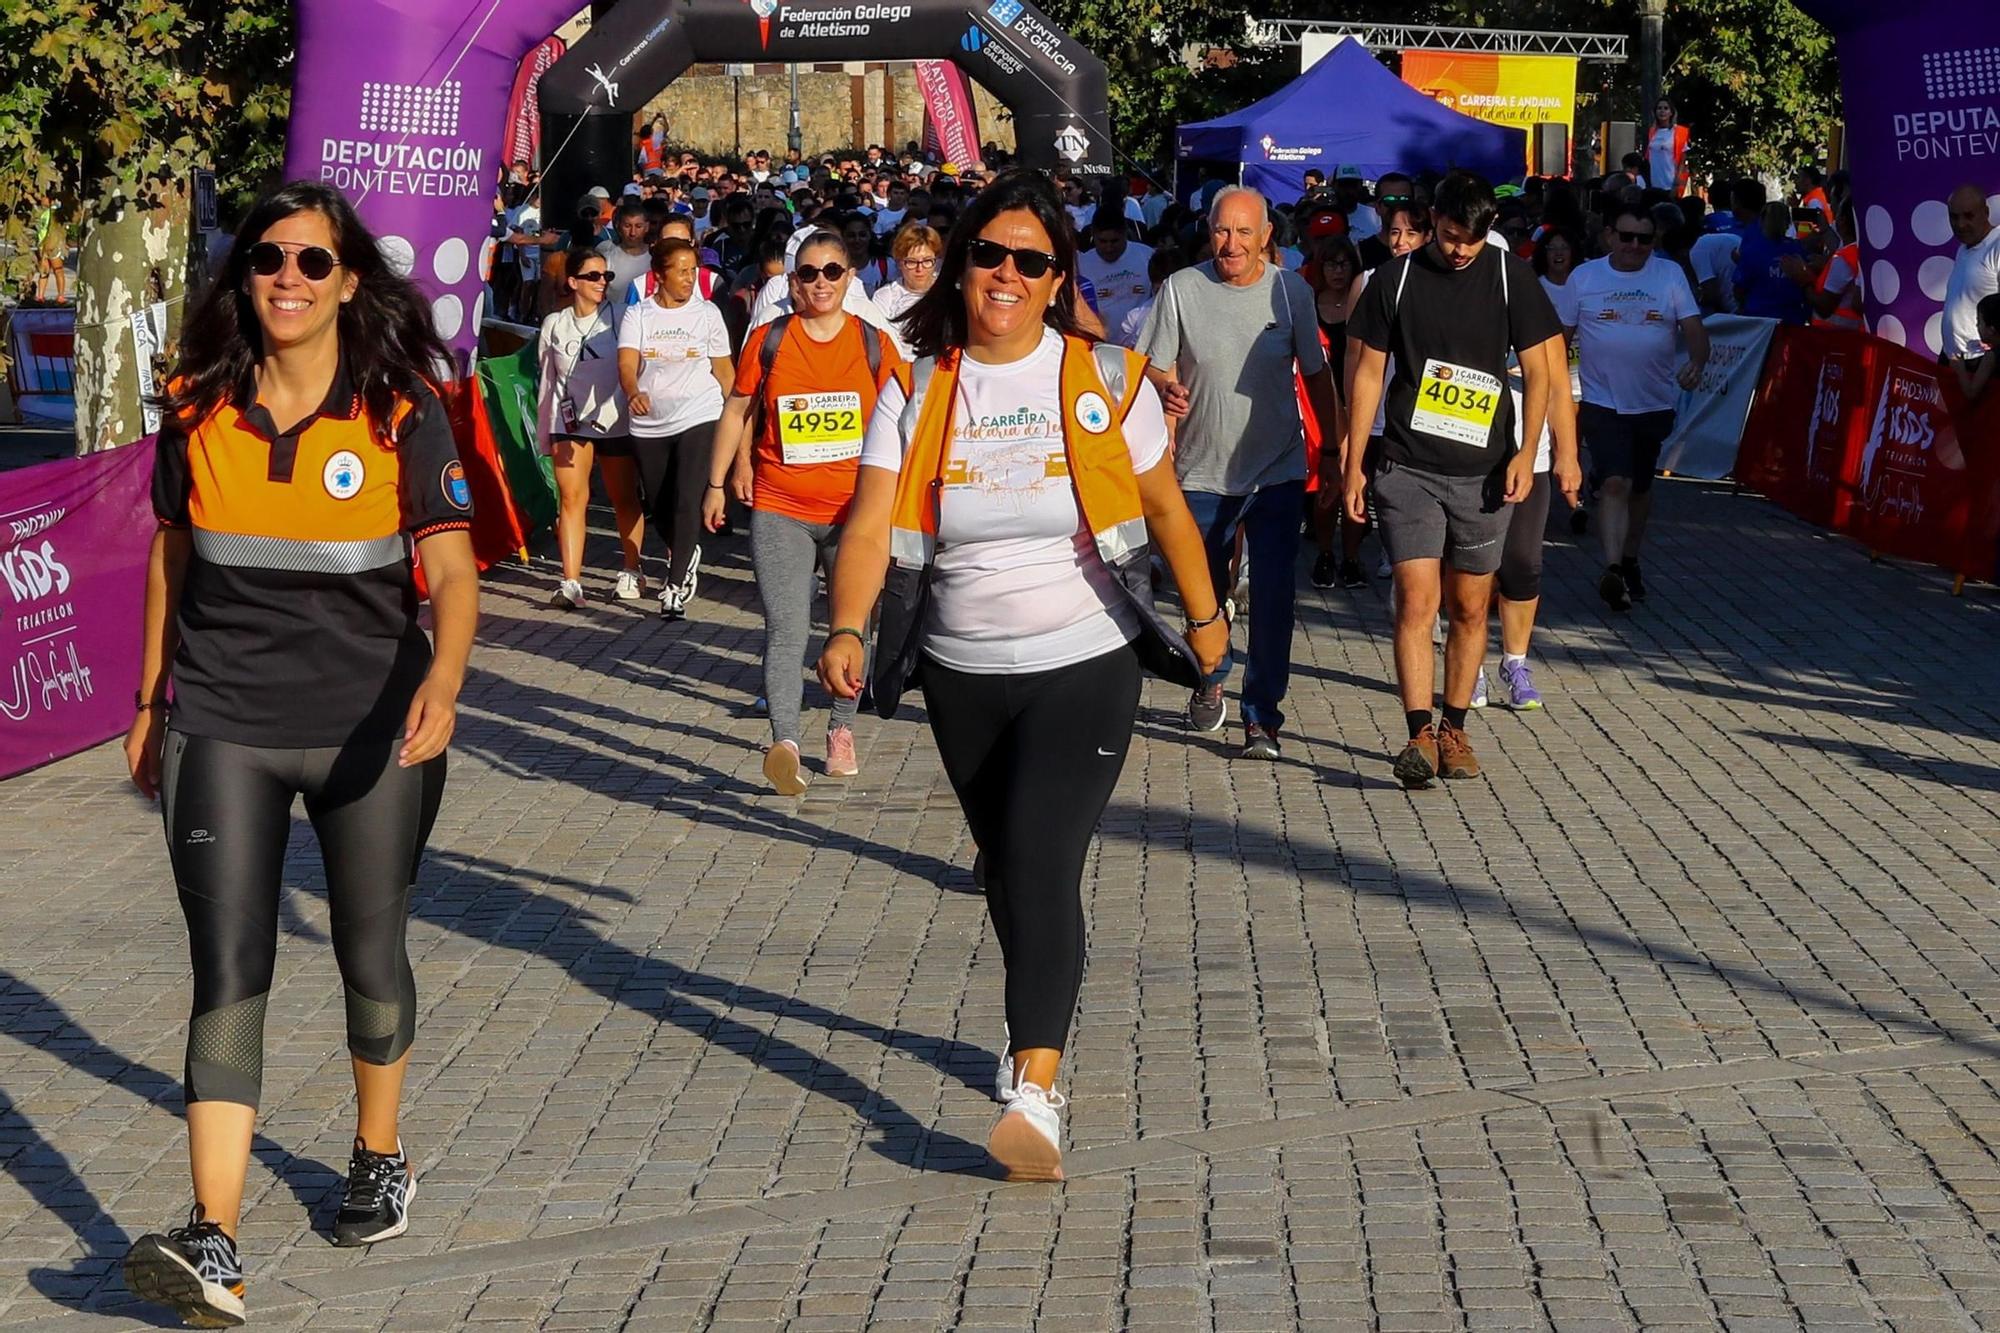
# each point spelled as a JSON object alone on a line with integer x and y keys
{"x": 580, "y": 419}
{"x": 1015, "y": 476}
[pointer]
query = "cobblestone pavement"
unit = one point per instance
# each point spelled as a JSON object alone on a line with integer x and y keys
{"x": 1682, "y": 1019}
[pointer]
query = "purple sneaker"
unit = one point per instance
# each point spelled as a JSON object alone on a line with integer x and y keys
{"x": 1522, "y": 696}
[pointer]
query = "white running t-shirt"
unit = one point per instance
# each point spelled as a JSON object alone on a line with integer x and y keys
{"x": 1627, "y": 332}
{"x": 1017, "y": 584}
{"x": 675, "y": 349}
{"x": 1122, "y": 284}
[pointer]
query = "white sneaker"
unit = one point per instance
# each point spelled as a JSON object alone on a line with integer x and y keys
{"x": 569, "y": 593}
{"x": 672, "y": 606}
{"x": 1027, "y": 1140}
{"x": 1479, "y": 699}
{"x": 1003, "y": 1077}
{"x": 631, "y": 585}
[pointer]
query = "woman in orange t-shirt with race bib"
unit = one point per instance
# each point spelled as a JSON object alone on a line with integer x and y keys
{"x": 813, "y": 375}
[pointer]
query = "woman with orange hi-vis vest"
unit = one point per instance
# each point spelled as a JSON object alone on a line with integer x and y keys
{"x": 1016, "y": 475}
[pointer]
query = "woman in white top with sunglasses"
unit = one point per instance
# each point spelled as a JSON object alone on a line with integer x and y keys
{"x": 581, "y": 410}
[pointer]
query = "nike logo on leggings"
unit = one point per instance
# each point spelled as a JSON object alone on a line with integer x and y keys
{"x": 1108, "y": 754}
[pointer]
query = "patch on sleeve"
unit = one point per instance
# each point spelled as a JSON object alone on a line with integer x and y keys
{"x": 452, "y": 482}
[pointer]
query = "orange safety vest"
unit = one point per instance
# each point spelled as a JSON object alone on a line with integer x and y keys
{"x": 1099, "y": 385}
{"x": 1844, "y": 316}
{"x": 1100, "y": 466}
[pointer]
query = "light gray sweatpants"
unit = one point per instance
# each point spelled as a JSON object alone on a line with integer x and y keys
{"x": 784, "y": 553}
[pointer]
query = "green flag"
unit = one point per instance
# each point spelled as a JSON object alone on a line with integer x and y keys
{"x": 511, "y": 384}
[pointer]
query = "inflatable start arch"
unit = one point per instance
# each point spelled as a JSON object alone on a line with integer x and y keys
{"x": 402, "y": 104}
{"x": 1055, "y": 89}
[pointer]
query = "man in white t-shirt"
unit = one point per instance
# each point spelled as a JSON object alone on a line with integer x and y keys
{"x": 1975, "y": 272}
{"x": 1116, "y": 267}
{"x": 890, "y": 217}
{"x": 628, "y": 254}
{"x": 1623, "y": 313}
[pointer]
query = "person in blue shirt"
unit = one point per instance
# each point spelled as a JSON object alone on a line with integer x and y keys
{"x": 1771, "y": 275}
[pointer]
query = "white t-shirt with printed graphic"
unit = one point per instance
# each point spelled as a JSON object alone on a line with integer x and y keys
{"x": 1627, "y": 332}
{"x": 675, "y": 348}
{"x": 1017, "y": 584}
{"x": 1121, "y": 283}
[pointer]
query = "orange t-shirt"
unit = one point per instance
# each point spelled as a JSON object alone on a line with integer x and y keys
{"x": 817, "y": 401}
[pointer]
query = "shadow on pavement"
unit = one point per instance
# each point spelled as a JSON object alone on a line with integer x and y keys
{"x": 38, "y": 1167}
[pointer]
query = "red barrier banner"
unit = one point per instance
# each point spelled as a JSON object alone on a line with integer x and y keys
{"x": 951, "y": 122}
{"x": 74, "y": 539}
{"x": 524, "y": 105}
{"x": 1869, "y": 439}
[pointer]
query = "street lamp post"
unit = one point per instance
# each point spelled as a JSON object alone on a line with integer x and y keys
{"x": 1652, "y": 22}
{"x": 794, "y": 138}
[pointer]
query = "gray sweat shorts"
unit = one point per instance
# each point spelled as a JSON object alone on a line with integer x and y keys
{"x": 1428, "y": 516}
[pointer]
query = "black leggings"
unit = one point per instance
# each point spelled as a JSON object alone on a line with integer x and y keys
{"x": 228, "y": 813}
{"x": 673, "y": 475}
{"x": 1033, "y": 758}
{"x": 1521, "y": 557}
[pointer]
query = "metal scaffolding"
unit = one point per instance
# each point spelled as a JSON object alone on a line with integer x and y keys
{"x": 1426, "y": 37}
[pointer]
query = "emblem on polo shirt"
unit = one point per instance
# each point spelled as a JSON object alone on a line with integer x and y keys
{"x": 452, "y": 482}
{"x": 1093, "y": 413}
{"x": 343, "y": 475}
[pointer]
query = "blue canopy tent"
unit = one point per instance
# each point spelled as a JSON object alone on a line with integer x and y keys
{"x": 1348, "y": 110}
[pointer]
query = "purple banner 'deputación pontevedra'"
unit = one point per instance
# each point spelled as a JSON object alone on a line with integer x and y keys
{"x": 402, "y": 104}
{"x": 74, "y": 537}
{"x": 1920, "y": 88}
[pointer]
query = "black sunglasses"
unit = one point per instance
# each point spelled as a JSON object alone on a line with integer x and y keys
{"x": 1636, "y": 237}
{"x": 814, "y": 272}
{"x": 603, "y": 275}
{"x": 982, "y": 253}
{"x": 316, "y": 262}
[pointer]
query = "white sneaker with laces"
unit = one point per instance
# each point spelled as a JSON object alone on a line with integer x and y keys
{"x": 631, "y": 586}
{"x": 1003, "y": 1077}
{"x": 1480, "y": 697}
{"x": 569, "y": 593}
{"x": 1027, "y": 1140}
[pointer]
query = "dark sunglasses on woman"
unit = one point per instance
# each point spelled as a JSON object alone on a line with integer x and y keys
{"x": 600, "y": 276}
{"x": 814, "y": 272}
{"x": 316, "y": 262}
{"x": 982, "y": 253}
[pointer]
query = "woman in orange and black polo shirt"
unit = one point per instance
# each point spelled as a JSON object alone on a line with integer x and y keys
{"x": 305, "y": 457}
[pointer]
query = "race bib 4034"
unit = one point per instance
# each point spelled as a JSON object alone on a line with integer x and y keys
{"x": 820, "y": 427}
{"x": 1456, "y": 403}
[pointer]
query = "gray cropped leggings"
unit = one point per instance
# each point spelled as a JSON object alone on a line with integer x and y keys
{"x": 784, "y": 553}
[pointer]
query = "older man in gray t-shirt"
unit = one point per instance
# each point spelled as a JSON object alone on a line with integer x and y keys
{"x": 1225, "y": 339}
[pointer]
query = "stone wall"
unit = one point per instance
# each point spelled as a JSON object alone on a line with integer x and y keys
{"x": 839, "y": 106}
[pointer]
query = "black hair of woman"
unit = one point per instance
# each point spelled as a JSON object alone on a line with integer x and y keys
{"x": 387, "y": 338}
{"x": 938, "y": 319}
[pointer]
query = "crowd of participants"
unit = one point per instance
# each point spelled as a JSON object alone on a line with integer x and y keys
{"x": 1007, "y": 418}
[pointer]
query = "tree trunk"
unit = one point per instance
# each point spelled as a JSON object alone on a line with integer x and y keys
{"x": 134, "y": 254}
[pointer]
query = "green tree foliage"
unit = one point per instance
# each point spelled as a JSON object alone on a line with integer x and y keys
{"x": 97, "y": 96}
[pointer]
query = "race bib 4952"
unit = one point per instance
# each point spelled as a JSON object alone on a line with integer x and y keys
{"x": 820, "y": 427}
